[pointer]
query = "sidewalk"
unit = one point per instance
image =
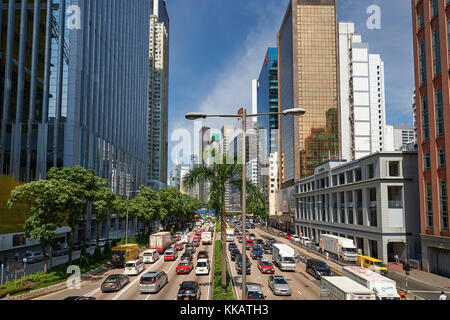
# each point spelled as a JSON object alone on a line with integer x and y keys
{"x": 428, "y": 278}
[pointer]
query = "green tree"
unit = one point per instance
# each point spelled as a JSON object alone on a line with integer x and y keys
{"x": 105, "y": 201}
{"x": 85, "y": 185}
{"x": 218, "y": 174}
{"x": 47, "y": 201}
{"x": 146, "y": 206}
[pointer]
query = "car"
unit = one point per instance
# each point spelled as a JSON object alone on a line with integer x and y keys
{"x": 190, "y": 247}
{"x": 271, "y": 241}
{"x": 254, "y": 292}
{"x": 102, "y": 242}
{"x": 295, "y": 238}
{"x": 202, "y": 267}
{"x": 252, "y": 226}
{"x": 196, "y": 243}
{"x": 260, "y": 242}
{"x": 239, "y": 238}
{"x": 189, "y": 290}
{"x": 252, "y": 236}
{"x": 232, "y": 246}
{"x": 187, "y": 255}
{"x": 288, "y": 236}
{"x": 317, "y": 268}
{"x": 153, "y": 281}
{"x": 114, "y": 283}
{"x": 178, "y": 246}
{"x": 265, "y": 266}
{"x": 198, "y": 233}
{"x": 202, "y": 255}
{"x": 239, "y": 264}
{"x": 184, "y": 267}
{"x": 170, "y": 255}
{"x": 134, "y": 267}
{"x": 196, "y": 238}
{"x": 33, "y": 256}
{"x": 267, "y": 249}
{"x": 60, "y": 252}
{"x": 80, "y": 298}
{"x": 279, "y": 286}
{"x": 150, "y": 256}
{"x": 249, "y": 244}
{"x": 233, "y": 254}
{"x": 256, "y": 253}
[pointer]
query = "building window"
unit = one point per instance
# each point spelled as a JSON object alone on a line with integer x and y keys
{"x": 423, "y": 63}
{"x": 436, "y": 53}
{"x": 444, "y": 205}
{"x": 439, "y": 113}
{"x": 425, "y": 125}
{"x": 429, "y": 205}
{"x": 441, "y": 158}
{"x": 448, "y": 34}
{"x": 395, "y": 197}
{"x": 394, "y": 169}
{"x": 426, "y": 161}
{"x": 370, "y": 171}
{"x": 434, "y": 8}
{"x": 420, "y": 20}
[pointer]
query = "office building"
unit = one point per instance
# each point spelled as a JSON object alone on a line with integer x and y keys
{"x": 402, "y": 136}
{"x": 73, "y": 95}
{"x": 308, "y": 79}
{"x": 362, "y": 96}
{"x": 267, "y": 100}
{"x": 158, "y": 92}
{"x": 273, "y": 181}
{"x": 372, "y": 200}
{"x": 431, "y": 34}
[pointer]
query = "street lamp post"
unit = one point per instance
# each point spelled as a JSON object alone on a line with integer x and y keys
{"x": 244, "y": 116}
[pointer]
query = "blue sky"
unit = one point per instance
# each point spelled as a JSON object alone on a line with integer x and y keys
{"x": 218, "y": 46}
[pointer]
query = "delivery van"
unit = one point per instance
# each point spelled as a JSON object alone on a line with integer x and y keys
{"x": 150, "y": 256}
{"x": 373, "y": 264}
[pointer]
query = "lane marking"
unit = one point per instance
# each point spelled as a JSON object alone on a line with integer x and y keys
{"x": 93, "y": 292}
{"x": 299, "y": 292}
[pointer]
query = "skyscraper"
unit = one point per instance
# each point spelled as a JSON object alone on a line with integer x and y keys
{"x": 307, "y": 69}
{"x": 362, "y": 97}
{"x": 158, "y": 92}
{"x": 431, "y": 35}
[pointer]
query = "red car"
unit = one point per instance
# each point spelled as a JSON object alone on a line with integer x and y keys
{"x": 178, "y": 246}
{"x": 287, "y": 236}
{"x": 196, "y": 238}
{"x": 184, "y": 267}
{"x": 265, "y": 266}
{"x": 196, "y": 243}
{"x": 170, "y": 255}
{"x": 249, "y": 244}
{"x": 198, "y": 233}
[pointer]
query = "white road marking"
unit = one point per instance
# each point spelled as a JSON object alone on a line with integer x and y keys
{"x": 92, "y": 292}
{"x": 147, "y": 297}
{"x": 299, "y": 292}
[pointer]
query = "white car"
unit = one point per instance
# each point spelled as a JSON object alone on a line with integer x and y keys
{"x": 295, "y": 238}
{"x": 134, "y": 267}
{"x": 202, "y": 267}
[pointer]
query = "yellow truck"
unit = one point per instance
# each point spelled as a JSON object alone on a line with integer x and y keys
{"x": 373, "y": 264}
{"x": 124, "y": 253}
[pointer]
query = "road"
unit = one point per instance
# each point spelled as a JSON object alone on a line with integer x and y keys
{"x": 91, "y": 288}
{"x": 303, "y": 285}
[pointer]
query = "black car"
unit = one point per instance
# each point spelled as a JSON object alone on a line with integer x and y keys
{"x": 260, "y": 242}
{"x": 267, "y": 248}
{"x": 189, "y": 290}
{"x": 80, "y": 298}
{"x": 187, "y": 255}
{"x": 234, "y": 253}
{"x": 317, "y": 268}
{"x": 232, "y": 246}
{"x": 248, "y": 264}
{"x": 114, "y": 282}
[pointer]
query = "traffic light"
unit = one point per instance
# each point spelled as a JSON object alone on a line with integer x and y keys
{"x": 406, "y": 267}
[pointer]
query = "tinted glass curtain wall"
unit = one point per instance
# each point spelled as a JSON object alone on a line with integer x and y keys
{"x": 74, "y": 88}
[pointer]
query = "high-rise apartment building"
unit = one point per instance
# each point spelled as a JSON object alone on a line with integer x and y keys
{"x": 73, "y": 95}
{"x": 268, "y": 98}
{"x": 362, "y": 97}
{"x": 158, "y": 92}
{"x": 431, "y": 35}
{"x": 308, "y": 79}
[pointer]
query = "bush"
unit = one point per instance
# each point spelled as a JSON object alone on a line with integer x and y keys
{"x": 107, "y": 250}
{"x": 97, "y": 253}
{"x": 217, "y": 289}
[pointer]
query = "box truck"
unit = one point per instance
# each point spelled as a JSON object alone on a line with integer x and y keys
{"x": 383, "y": 287}
{"x": 160, "y": 241}
{"x": 338, "y": 247}
{"x": 283, "y": 256}
{"x": 230, "y": 234}
{"x": 124, "y": 253}
{"x": 207, "y": 237}
{"x": 343, "y": 288}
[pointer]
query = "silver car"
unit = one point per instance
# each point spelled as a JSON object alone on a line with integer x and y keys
{"x": 153, "y": 282}
{"x": 279, "y": 286}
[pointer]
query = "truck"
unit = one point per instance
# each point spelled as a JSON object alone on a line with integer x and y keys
{"x": 343, "y": 288}
{"x": 383, "y": 287}
{"x": 160, "y": 241}
{"x": 230, "y": 234}
{"x": 283, "y": 256}
{"x": 123, "y": 253}
{"x": 207, "y": 237}
{"x": 338, "y": 247}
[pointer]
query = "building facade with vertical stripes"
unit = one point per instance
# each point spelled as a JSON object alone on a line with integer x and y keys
{"x": 431, "y": 36}
{"x": 74, "y": 89}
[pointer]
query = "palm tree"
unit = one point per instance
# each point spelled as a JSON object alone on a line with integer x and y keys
{"x": 218, "y": 175}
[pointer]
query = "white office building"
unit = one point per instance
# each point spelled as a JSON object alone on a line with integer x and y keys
{"x": 362, "y": 96}
{"x": 373, "y": 200}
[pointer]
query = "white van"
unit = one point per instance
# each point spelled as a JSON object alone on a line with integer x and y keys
{"x": 134, "y": 267}
{"x": 150, "y": 256}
